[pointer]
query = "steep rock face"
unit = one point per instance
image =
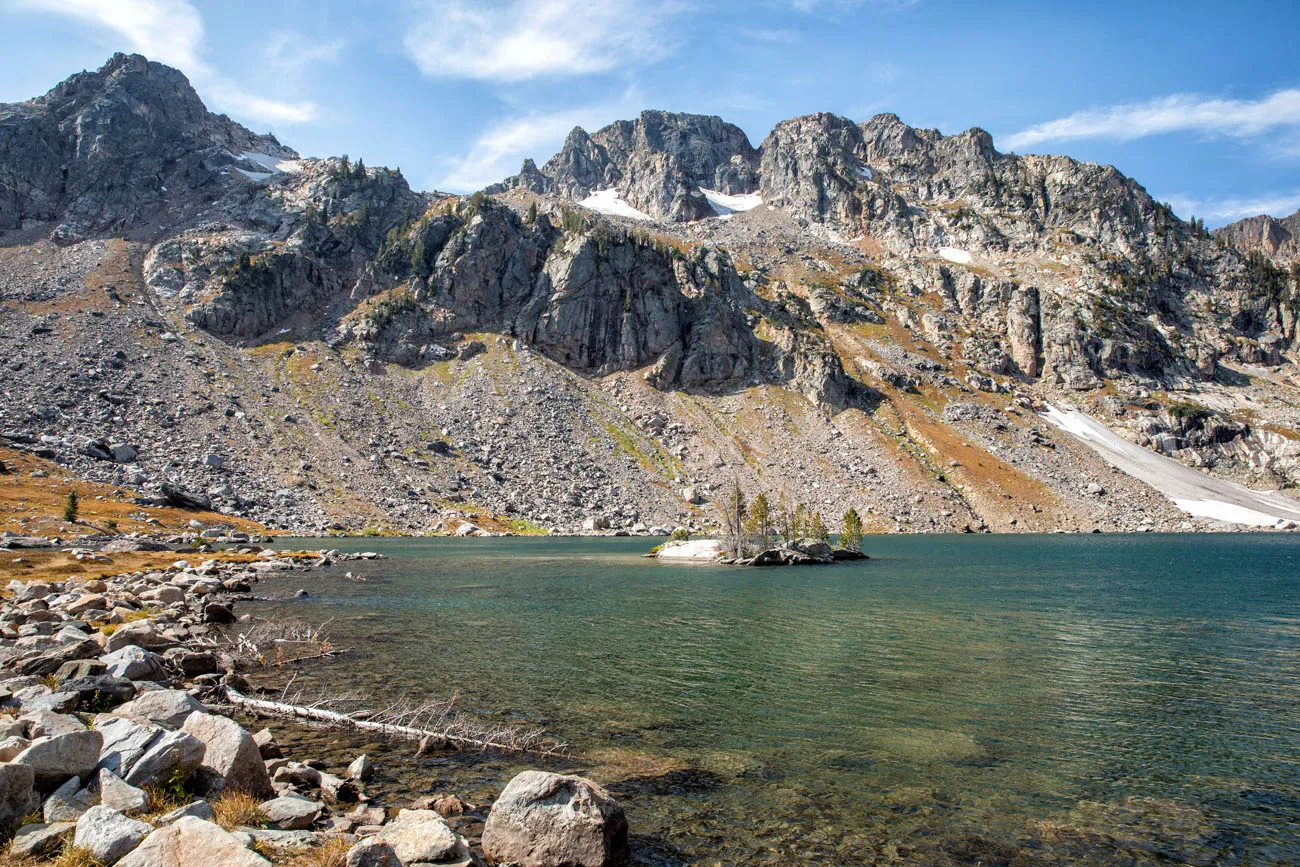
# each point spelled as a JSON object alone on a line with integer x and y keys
{"x": 596, "y": 299}
{"x": 1276, "y": 238}
{"x": 319, "y": 228}
{"x": 103, "y": 147}
{"x": 658, "y": 163}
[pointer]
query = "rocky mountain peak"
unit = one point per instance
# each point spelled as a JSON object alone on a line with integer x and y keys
{"x": 657, "y": 163}
{"x": 102, "y": 148}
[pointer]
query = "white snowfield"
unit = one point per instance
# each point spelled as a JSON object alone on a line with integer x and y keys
{"x": 952, "y": 254}
{"x": 1199, "y": 495}
{"x": 608, "y": 202}
{"x": 272, "y": 165}
{"x": 724, "y": 205}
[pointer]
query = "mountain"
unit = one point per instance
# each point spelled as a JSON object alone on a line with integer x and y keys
{"x": 658, "y": 163}
{"x": 1278, "y": 239}
{"x": 860, "y": 314}
{"x": 104, "y": 149}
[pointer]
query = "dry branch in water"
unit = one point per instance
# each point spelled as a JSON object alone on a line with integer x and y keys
{"x": 433, "y": 721}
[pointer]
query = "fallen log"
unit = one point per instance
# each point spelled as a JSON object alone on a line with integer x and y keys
{"x": 506, "y": 741}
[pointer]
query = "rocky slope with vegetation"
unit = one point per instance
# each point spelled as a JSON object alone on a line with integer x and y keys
{"x": 851, "y": 314}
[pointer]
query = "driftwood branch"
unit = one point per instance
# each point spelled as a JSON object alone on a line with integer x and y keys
{"x": 449, "y": 729}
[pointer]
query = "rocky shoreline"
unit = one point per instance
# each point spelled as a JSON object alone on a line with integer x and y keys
{"x": 119, "y": 743}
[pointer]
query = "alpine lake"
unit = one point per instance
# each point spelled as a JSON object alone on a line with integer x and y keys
{"x": 994, "y": 700}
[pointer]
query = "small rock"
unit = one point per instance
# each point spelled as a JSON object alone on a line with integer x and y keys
{"x": 360, "y": 769}
{"x": 373, "y": 852}
{"x": 120, "y": 795}
{"x": 290, "y": 812}
{"x": 267, "y": 745}
{"x": 38, "y": 840}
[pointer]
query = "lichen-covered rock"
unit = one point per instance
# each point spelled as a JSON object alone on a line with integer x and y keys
{"x": 553, "y": 820}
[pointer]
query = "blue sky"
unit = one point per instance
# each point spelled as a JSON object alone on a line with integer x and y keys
{"x": 1199, "y": 101}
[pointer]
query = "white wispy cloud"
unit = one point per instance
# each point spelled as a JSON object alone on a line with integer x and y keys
{"x": 1281, "y": 204}
{"x": 1186, "y": 112}
{"x": 498, "y": 152}
{"x": 171, "y": 32}
{"x": 517, "y": 40}
{"x": 291, "y": 55}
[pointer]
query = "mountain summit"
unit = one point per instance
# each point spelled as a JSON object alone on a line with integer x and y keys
{"x": 103, "y": 148}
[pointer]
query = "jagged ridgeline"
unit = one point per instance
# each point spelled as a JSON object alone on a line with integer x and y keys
{"x": 870, "y": 267}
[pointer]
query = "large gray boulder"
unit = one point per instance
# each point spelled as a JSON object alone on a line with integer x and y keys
{"x": 134, "y": 663}
{"x": 193, "y": 842}
{"x": 108, "y": 835}
{"x": 17, "y": 797}
{"x": 554, "y": 820}
{"x": 125, "y": 741}
{"x": 53, "y": 760}
{"x": 164, "y": 707}
{"x": 231, "y": 759}
{"x": 424, "y": 837}
{"x": 173, "y": 753}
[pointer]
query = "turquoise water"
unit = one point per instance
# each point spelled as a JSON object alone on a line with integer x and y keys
{"x": 954, "y": 700}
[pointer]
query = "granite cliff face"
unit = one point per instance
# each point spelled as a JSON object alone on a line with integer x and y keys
{"x": 1278, "y": 239}
{"x": 859, "y": 314}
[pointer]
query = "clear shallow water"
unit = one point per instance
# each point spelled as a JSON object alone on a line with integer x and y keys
{"x": 955, "y": 700}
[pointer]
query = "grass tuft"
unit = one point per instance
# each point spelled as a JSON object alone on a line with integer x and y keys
{"x": 332, "y": 853}
{"x": 237, "y": 808}
{"x": 75, "y": 856}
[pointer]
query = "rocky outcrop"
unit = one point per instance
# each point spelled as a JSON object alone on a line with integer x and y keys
{"x": 1276, "y": 238}
{"x": 105, "y": 148}
{"x": 658, "y": 163}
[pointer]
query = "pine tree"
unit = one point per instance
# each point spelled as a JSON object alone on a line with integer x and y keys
{"x": 760, "y": 521}
{"x": 532, "y": 213}
{"x": 733, "y": 520}
{"x": 359, "y": 173}
{"x": 418, "y": 264}
{"x": 72, "y": 508}
{"x": 345, "y": 168}
{"x": 851, "y": 538}
{"x": 798, "y": 522}
{"x": 817, "y": 528}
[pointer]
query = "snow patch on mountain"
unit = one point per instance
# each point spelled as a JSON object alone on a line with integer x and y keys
{"x": 608, "y": 202}
{"x": 725, "y": 205}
